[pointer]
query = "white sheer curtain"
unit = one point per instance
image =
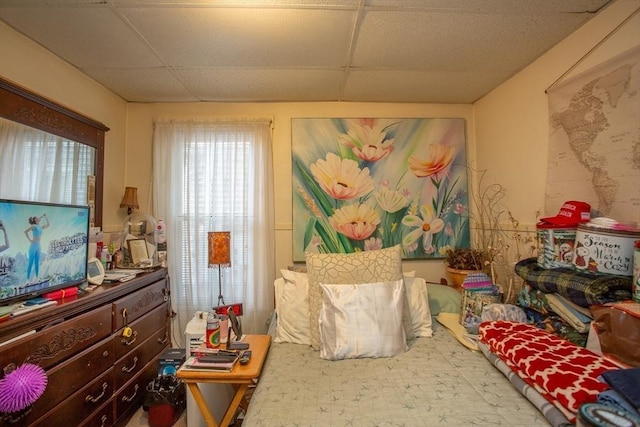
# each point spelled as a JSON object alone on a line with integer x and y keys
{"x": 36, "y": 165}
{"x": 216, "y": 175}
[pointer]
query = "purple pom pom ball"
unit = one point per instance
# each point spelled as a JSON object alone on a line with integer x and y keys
{"x": 20, "y": 388}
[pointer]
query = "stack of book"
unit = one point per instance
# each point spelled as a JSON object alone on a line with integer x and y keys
{"x": 207, "y": 359}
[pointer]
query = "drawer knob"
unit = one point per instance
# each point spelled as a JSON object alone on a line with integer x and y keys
{"x": 92, "y": 399}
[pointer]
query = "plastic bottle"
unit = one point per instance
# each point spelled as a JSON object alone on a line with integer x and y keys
{"x": 213, "y": 331}
{"x": 160, "y": 232}
{"x": 104, "y": 257}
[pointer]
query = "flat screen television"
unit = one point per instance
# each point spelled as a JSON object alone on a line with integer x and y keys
{"x": 43, "y": 247}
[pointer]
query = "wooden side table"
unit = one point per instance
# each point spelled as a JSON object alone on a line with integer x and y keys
{"x": 241, "y": 377}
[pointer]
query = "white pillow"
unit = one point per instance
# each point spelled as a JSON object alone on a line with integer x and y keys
{"x": 362, "y": 320}
{"x": 292, "y": 308}
{"x": 358, "y": 267}
{"x": 417, "y": 304}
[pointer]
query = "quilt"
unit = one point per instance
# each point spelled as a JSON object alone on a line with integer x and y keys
{"x": 565, "y": 374}
{"x": 437, "y": 382}
{"x": 582, "y": 288}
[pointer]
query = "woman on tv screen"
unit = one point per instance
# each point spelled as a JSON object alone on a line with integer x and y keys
{"x": 34, "y": 247}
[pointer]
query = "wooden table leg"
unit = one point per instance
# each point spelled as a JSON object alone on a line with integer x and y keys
{"x": 204, "y": 409}
{"x": 235, "y": 402}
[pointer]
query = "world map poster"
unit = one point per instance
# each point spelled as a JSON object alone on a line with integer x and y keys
{"x": 594, "y": 143}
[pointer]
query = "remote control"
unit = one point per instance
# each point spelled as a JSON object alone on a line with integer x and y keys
{"x": 245, "y": 356}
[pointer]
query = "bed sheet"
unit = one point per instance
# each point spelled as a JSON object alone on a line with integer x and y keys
{"x": 438, "y": 382}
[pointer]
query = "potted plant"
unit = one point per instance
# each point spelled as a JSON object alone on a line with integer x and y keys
{"x": 462, "y": 261}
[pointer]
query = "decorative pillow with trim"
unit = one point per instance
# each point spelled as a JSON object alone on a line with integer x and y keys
{"x": 361, "y": 267}
{"x": 362, "y": 320}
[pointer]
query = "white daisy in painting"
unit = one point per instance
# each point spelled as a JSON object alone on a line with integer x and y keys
{"x": 425, "y": 225}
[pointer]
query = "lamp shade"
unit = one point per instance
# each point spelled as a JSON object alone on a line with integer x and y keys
{"x": 219, "y": 248}
{"x": 130, "y": 199}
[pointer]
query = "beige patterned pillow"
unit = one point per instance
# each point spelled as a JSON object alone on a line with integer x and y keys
{"x": 361, "y": 267}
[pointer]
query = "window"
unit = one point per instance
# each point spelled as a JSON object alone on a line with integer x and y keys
{"x": 216, "y": 176}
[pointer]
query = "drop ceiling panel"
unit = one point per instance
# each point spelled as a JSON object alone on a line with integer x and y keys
{"x": 232, "y": 37}
{"x": 143, "y": 85}
{"x": 412, "y": 86}
{"x": 258, "y": 85}
{"x": 456, "y": 42}
{"x": 85, "y": 37}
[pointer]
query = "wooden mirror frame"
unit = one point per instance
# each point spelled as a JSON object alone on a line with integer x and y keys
{"x": 28, "y": 108}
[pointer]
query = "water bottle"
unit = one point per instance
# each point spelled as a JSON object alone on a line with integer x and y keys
{"x": 213, "y": 331}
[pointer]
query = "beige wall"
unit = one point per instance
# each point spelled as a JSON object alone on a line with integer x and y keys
{"x": 31, "y": 66}
{"x": 508, "y": 126}
{"x": 512, "y": 121}
{"x": 140, "y": 128}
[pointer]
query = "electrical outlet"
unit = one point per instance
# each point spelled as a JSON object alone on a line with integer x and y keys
{"x": 237, "y": 309}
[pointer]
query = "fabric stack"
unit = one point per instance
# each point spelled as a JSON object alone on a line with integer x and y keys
{"x": 478, "y": 291}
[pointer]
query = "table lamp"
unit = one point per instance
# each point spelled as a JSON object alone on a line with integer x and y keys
{"x": 219, "y": 255}
{"x": 130, "y": 199}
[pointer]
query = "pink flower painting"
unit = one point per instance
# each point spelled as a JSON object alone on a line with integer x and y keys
{"x": 370, "y": 183}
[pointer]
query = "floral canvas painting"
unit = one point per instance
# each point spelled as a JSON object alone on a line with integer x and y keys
{"x": 372, "y": 183}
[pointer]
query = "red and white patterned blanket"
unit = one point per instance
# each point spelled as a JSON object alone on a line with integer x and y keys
{"x": 564, "y": 373}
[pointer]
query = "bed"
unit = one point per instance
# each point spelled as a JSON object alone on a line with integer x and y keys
{"x": 355, "y": 344}
{"x": 436, "y": 382}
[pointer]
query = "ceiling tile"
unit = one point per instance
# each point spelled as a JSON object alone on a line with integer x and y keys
{"x": 86, "y": 37}
{"x": 264, "y": 85}
{"x": 219, "y": 37}
{"x": 143, "y": 84}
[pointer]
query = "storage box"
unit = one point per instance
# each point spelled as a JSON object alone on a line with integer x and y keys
{"x": 606, "y": 250}
{"x": 170, "y": 361}
{"x": 555, "y": 245}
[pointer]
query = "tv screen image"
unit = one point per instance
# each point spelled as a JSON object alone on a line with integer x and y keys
{"x": 43, "y": 247}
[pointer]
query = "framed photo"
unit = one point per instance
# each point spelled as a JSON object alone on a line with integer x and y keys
{"x": 138, "y": 250}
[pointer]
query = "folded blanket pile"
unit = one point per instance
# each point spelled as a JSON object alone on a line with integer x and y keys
{"x": 565, "y": 374}
{"x": 584, "y": 289}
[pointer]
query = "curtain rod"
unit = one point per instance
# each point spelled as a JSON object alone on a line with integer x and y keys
{"x": 586, "y": 55}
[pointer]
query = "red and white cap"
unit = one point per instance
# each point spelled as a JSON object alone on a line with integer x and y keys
{"x": 571, "y": 214}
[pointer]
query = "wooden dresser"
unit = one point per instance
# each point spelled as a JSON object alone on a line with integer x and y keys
{"x": 96, "y": 375}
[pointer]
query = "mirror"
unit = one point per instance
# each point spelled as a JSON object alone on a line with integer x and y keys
{"x": 20, "y": 105}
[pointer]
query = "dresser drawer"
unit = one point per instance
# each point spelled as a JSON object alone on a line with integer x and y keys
{"x": 141, "y": 329}
{"x": 129, "y": 366}
{"x": 59, "y": 342}
{"x": 74, "y": 410}
{"x": 130, "y": 397}
{"x": 126, "y": 310}
{"x": 68, "y": 377}
{"x": 101, "y": 418}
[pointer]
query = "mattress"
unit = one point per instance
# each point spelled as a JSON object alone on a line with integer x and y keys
{"x": 437, "y": 382}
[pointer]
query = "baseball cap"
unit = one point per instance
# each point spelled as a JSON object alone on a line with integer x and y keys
{"x": 571, "y": 214}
